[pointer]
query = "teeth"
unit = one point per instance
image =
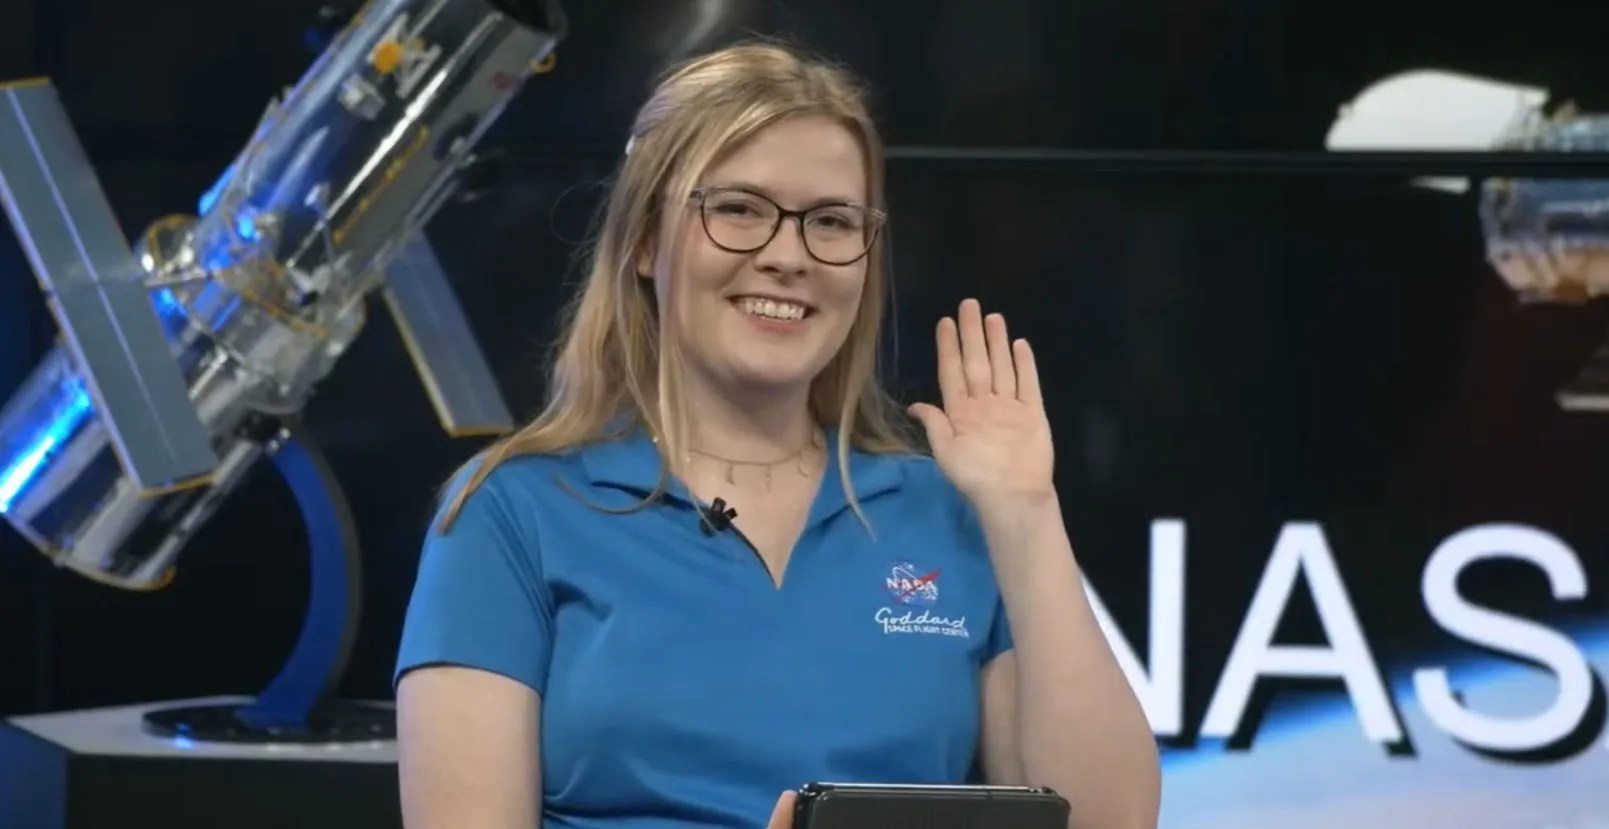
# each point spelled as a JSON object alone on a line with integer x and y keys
{"x": 771, "y": 309}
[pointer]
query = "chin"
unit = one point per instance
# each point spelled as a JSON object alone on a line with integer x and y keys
{"x": 759, "y": 362}
{"x": 772, "y": 378}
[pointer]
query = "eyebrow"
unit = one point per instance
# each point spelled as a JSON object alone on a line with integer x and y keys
{"x": 768, "y": 193}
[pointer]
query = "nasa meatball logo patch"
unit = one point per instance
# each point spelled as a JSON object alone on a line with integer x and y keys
{"x": 913, "y": 593}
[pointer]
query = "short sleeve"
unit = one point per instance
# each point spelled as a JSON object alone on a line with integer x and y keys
{"x": 479, "y": 600}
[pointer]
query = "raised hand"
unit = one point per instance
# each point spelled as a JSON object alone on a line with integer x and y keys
{"x": 991, "y": 437}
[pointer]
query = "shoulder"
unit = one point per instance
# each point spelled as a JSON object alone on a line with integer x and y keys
{"x": 510, "y": 491}
{"x": 921, "y": 478}
{"x": 511, "y": 476}
{"x": 921, "y": 472}
{"x": 925, "y": 495}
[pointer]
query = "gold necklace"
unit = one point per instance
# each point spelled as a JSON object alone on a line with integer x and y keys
{"x": 797, "y": 456}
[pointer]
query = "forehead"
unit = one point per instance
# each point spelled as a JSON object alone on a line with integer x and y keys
{"x": 797, "y": 161}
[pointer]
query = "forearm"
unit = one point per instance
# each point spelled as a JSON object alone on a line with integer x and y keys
{"x": 1081, "y": 729}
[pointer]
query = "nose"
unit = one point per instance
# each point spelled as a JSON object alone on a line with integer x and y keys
{"x": 785, "y": 254}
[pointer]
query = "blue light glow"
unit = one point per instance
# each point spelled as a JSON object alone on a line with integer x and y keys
{"x": 68, "y": 415}
{"x": 220, "y": 254}
{"x": 168, "y": 309}
{"x": 209, "y": 199}
{"x": 55, "y": 434}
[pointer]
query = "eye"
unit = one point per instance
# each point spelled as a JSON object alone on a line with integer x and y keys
{"x": 839, "y": 219}
{"x": 737, "y": 207}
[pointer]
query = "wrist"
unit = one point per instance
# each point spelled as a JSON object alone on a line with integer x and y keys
{"x": 1027, "y": 541}
{"x": 1013, "y": 520}
{"x": 1017, "y": 505}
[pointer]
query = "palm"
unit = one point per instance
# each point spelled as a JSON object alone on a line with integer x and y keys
{"x": 991, "y": 437}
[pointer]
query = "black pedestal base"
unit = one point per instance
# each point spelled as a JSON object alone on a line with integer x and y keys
{"x": 101, "y": 769}
{"x": 333, "y": 722}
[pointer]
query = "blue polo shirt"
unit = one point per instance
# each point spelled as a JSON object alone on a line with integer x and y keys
{"x": 680, "y": 687}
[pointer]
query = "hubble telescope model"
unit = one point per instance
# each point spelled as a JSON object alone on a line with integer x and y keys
{"x": 1548, "y": 238}
{"x": 182, "y": 356}
{"x": 185, "y": 357}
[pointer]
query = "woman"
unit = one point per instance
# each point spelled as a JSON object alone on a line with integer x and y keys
{"x": 715, "y": 568}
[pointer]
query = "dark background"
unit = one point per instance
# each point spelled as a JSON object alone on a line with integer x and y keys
{"x": 1232, "y": 347}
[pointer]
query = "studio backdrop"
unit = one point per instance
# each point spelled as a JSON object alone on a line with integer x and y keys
{"x": 1347, "y": 543}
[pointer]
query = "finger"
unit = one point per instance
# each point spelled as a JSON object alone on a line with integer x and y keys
{"x": 782, "y": 815}
{"x": 974, "y": 350}
{"x": 1027, "y": 374}
{"x": 952, "y": 380}
{"x": 1005, "y": 375}
{"x": 934, "y": 422}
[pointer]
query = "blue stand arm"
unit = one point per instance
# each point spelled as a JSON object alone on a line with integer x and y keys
{"x": 299, "y": 704}
{"x": 335, "y": 598}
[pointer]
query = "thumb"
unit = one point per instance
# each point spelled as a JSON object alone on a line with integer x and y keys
{"x": 782, "y": 815}
{"x": 933, "y": 420}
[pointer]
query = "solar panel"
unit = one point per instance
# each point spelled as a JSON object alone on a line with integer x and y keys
{"x": 93, "y": 286}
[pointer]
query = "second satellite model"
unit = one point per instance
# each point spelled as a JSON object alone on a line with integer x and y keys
{"x": 1548, "y": 238}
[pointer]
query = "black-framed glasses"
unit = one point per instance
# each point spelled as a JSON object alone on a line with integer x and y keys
{"x": 742, "y": 221}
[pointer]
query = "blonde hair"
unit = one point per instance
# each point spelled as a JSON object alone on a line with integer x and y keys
{"x": 612, "y": 372}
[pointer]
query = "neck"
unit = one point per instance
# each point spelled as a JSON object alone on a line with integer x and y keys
{"x": 757, "y": 428}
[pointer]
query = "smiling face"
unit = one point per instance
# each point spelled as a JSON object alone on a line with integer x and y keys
{"x": 770, "y": 319}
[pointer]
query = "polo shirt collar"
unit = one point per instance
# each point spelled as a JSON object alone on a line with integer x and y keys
{"x": 632, "y": 462}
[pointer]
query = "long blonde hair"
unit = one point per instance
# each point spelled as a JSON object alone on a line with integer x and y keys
{"x": 612, "y": 371}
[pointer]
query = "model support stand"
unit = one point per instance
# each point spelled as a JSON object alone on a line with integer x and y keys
{"x": 298, "y": 706}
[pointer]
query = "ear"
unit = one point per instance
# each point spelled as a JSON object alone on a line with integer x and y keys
{"x": 646, "y": 253}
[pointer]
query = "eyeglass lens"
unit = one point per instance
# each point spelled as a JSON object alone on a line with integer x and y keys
{"x": 741, "y": 221}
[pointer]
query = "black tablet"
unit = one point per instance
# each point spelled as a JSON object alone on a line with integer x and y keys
{"x": 868, "y": 806}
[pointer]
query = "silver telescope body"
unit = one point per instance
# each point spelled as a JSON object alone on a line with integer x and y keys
{"x": 182, "y": 353}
